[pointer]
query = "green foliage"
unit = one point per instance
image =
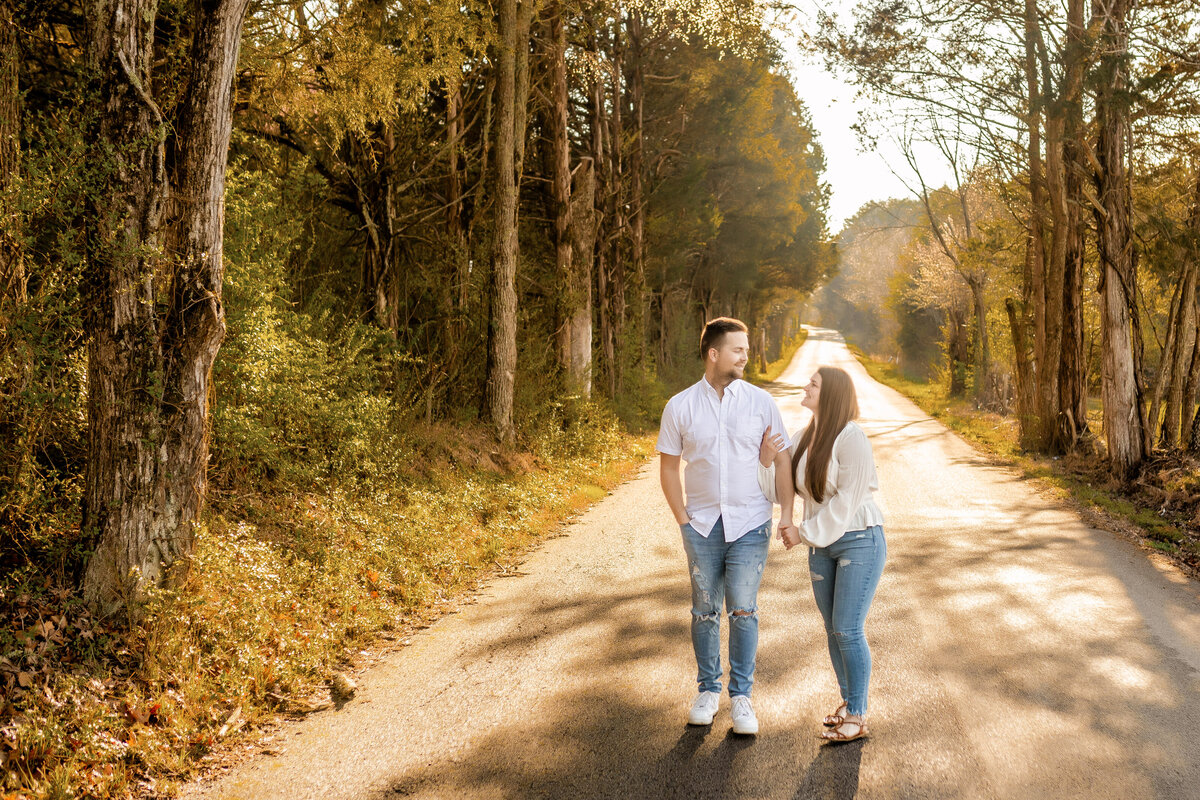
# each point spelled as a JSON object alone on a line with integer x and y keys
{"x": 42, "y": 353}
{"x": 298, "y": 397}
{"x": 741, "y": 208}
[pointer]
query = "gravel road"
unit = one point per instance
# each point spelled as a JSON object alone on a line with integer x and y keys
{"x": 1018, "y": 654}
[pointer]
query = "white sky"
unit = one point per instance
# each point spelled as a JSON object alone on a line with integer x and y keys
{"x": 854, "y": 177}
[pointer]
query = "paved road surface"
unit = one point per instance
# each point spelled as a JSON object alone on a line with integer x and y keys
{"x": 1018, "y": 654}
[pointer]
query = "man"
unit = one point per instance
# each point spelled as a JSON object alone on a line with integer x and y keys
{"x": 716, "y": 426}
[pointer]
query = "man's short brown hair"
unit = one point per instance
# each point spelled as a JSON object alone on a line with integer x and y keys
{"x": 715, "y": 330}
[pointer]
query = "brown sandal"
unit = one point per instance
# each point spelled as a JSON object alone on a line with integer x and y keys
{"x": 837, "y": 717}
{"x": 836, "y": 734}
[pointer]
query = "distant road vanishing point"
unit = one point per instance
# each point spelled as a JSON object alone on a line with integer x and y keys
{"x": 1018, "y": 654}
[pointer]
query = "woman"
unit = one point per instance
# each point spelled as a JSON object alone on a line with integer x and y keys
{"x": 834, "y": 471}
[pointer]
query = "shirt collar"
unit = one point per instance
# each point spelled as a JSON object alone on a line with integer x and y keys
{"x": 734, "y": 387}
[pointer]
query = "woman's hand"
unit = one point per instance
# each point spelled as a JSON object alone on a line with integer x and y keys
{"x": 789, "y": 534}
{"x": 770, "y": 447}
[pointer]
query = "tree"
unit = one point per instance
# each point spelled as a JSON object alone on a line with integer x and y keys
{"x": 512, "y": 92}
{"x": 155, "y": 319}
{"x": 1124, "y": 416}
{"x": 12, "y": 271}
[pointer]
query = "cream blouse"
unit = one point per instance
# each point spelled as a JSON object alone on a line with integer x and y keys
{"x": 850, "y": 486}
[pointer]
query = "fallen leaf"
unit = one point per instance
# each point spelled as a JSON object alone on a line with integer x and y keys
{"x": 136, "y": 715}
{"x": 25, "y": 680}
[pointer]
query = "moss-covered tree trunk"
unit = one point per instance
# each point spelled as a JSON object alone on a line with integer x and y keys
{"x": 153, "y": 290}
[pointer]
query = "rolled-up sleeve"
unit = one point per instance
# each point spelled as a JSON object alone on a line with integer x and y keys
{"x": 853, "y": 483}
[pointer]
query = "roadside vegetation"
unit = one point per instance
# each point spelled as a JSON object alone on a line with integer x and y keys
{"x": 285, "y": 587}
{"x": 1162, "y": 508}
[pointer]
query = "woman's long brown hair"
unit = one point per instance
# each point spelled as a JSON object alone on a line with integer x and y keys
{"x": 837, "y": 405}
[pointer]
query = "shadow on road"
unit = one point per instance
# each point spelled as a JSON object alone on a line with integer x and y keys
{"x": 607, "y": 734}
{"x": 833, "y": 774}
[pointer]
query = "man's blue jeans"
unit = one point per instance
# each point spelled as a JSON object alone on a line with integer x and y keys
{"x": 845, "y": 575}
{"x": 729, "y": 572}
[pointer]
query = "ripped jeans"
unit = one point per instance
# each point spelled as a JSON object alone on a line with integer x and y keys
{"x": 728, "y": 571}
{"x": 845, "y": 575}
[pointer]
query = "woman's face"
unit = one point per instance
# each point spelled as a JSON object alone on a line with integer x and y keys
{"x": 812, "y": 393}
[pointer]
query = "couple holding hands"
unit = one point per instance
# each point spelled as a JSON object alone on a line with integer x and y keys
{"x": 740, "y": 460}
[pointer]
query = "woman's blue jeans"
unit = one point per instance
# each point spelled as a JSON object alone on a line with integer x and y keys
{"x": 844, "y": 577}
{"x": 729, "y": 572}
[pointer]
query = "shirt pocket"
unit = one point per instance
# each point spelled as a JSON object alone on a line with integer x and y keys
{"x": 749, "y": 430}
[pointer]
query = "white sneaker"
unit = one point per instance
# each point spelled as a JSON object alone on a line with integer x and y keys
{"x": 704, "y": 708}
{"x": 744, "y": 720}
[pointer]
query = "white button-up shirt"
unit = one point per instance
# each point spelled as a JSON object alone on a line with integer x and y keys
{"x": 719, "y": 440}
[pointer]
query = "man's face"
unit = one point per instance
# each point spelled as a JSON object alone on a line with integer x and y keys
{"x": 732, "y": 355}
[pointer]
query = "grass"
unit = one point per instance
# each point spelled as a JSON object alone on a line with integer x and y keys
{"x": 285, "y": 588}
{"x": 1158, "y": 508}
{"x": 775, "y": 368}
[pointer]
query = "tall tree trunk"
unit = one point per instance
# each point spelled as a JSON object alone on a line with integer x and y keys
{"x": 637, "y": 211}
{"x": 149, "y": 370}
{"x": 615, "y": 212}
{"x": 1031, "y": 316}
{"x": 512, "y": 85}
{"x": 454, "y": 195}
{"x": 598, "y": 120}
{"x": 1192, "y": 256}
{"x": 12, "y": 266}
{"x": 577, "y": 326}
{"x": 381, "y": 291}
{"x": 1170, "y": 352}
{"x": 1072, "y": 427}
{"x": 455, "y": 293}
{"x": 958, "y": 347}
{"x": 1034, "y": 284}
{"x": 1123, "y": 420}
{"x": 1022, "y": 368}
{"x": 15, "y": 369}
{"x": 568, "y": 300}
{"x": 1178, "y": 416}
{"x": 1193, "y": 388}
{"x": 1061, "y": 374}
{"x": 983, "y": 367}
